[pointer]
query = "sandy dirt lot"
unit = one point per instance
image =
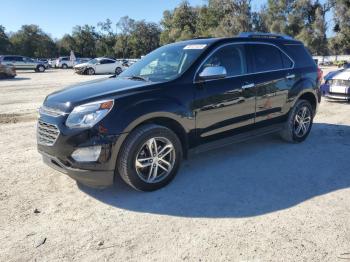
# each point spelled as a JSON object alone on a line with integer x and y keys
{"x": 262, "y": 200}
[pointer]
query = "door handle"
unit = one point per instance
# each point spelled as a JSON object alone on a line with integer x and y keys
{"x": 290, "y": 76}
{"x": 247, "y": 86}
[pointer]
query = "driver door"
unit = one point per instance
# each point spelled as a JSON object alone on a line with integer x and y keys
{"x": 226, "y": 105}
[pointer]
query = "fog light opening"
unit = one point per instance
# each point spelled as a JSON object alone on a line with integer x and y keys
{"x": 87, "y": 154}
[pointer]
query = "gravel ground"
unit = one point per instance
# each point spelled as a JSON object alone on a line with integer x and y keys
{"x": 262, "y": 200}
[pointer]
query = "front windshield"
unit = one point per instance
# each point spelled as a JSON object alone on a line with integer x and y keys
{"x": 93, "y": 61}
{"x": 165, "y": 63}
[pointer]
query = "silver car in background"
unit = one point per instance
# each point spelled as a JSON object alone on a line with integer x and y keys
{"x": 22, "y": 62}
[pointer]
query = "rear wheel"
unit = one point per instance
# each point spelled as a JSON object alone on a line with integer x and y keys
{"x": 299, "y": 123}
{"x": 64, "y": 66}
{"x": 150, "y": 157}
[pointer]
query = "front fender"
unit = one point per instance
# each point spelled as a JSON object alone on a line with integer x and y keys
{"x": 129, "y": 115}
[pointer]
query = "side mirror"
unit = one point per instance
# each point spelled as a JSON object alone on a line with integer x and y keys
{"x": 213, "y": 72}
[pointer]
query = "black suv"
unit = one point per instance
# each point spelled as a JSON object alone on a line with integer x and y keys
{"x": 184, "y": 97}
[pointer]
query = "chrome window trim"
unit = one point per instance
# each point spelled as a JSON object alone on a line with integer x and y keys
{"x": 43, "y": 110}
{"x": 240, "y": 43}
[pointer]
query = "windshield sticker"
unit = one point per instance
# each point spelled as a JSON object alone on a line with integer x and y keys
{"x": 195, "y": 46}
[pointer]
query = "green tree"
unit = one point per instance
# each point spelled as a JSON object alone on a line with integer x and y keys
{"x": 85, "y": 38}
{"x": 5, "y": 44}
{"x": 31, "y": 41}
{"x": 341, "y": 41}
{"x": 65, "y": 45}
{"x": 144, "y": 38}
{"x": 125, "y": 27}
{"x": 179, "y": 24}
{"x": 107, "y": 39}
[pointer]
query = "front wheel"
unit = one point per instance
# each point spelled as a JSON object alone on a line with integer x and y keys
{"x": 90, "y": 71}
{"x": 40, "y": 69}
{"x": 64, "y": 66}
{"x": 299, "y": 123}
{"x": 150, "y": 157}
{"x": 118, "y": 71}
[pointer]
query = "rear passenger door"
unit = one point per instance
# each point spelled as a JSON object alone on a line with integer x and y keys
{"x": 272, "y": 77}
{"x": 19, "y": 62}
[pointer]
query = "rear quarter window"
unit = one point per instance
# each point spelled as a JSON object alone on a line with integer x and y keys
{"x": 300, "y": 55}
{"x": 268, "y": 58}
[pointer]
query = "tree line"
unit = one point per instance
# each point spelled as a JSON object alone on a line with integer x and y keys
{"x": 304, "y": 20}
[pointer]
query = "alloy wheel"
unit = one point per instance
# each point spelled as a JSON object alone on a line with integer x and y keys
{"x": 155, "y": 160}
{"x": 302, "y": 121}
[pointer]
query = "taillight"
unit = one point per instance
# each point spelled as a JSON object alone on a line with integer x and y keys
{"x": 319, "y": 74}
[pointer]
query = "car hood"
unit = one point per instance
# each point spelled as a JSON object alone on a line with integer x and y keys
{"x": 342, "y": 75}
{"x": 66, "y": 99}
{"x": 82, "y": 65}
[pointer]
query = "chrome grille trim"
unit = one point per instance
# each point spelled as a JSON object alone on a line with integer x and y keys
{"x": 47, "y": 134}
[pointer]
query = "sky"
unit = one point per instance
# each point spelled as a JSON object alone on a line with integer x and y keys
{"x": 59, "y": 17}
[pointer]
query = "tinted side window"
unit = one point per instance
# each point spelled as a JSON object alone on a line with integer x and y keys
{"x": 18, "y": 58}
{"x": 65, "y": 59}
{"x": 300, "y": 55}
{"x": 8, "y": 58}
{"x": 266, "y": 58}
{"x": 106, "y": 61}
{"x": 232, "y": 57}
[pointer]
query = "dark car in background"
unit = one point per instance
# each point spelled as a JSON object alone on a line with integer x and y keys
{"x": 7, "y": 71}
{"x": 182, "y": 98}
{"x": 23, "y": 62}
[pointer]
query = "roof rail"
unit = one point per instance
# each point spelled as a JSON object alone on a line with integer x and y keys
{"x": 265, "y": 35}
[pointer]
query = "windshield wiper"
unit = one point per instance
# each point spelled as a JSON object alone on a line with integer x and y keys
{"x": 135, "y": 77}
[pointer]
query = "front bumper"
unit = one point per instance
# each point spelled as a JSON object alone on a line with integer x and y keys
{"x": 99, "y": 173}
{"x": 91, "y": 178}
{"x": 339, "y": 97}
{"x": 80, "y": 70}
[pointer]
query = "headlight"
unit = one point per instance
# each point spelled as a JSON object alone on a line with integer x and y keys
{"x": 88, "y": 115}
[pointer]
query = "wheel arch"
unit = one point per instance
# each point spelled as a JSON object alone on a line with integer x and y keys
{"x": 166, "y": 120}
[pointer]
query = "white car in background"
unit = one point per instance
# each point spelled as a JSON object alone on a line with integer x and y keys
{"x": 337, "y": 85}
{"x": 100, "y": 65}
{"x": 52, "y": 62}
{"x": 64, "y": 62}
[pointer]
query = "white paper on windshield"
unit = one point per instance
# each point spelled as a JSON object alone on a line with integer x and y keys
{"x": 195, "y": 46}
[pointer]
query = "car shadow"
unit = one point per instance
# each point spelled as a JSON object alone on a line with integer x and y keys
{"x": 16, "y": 79}
{"x": 247, "y": 179}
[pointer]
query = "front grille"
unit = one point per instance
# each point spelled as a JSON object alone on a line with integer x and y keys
{"x": 47, "y": 134}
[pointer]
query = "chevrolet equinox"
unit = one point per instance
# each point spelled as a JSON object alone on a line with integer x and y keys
{"x": 184, "y": 97}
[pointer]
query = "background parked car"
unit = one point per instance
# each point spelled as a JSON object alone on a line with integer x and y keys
{"x": 337, "y": 85}
{"x": 45, "y": 62}
{"x": 22, "y": 62}
{"x": 100, "y": 65}
{"x": 52, "y": 62}
{"x": 64, "y": 62}
{"x": 7, "y": 71}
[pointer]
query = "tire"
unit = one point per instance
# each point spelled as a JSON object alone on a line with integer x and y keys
{"x": 290, "y": 131}
{"x": 118, "y": 71}
{"x": 64, "y": 66}
{"x": 90, "y": 71}
{"x": 40, "y": 68}
{"x": 138, "y": 145}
